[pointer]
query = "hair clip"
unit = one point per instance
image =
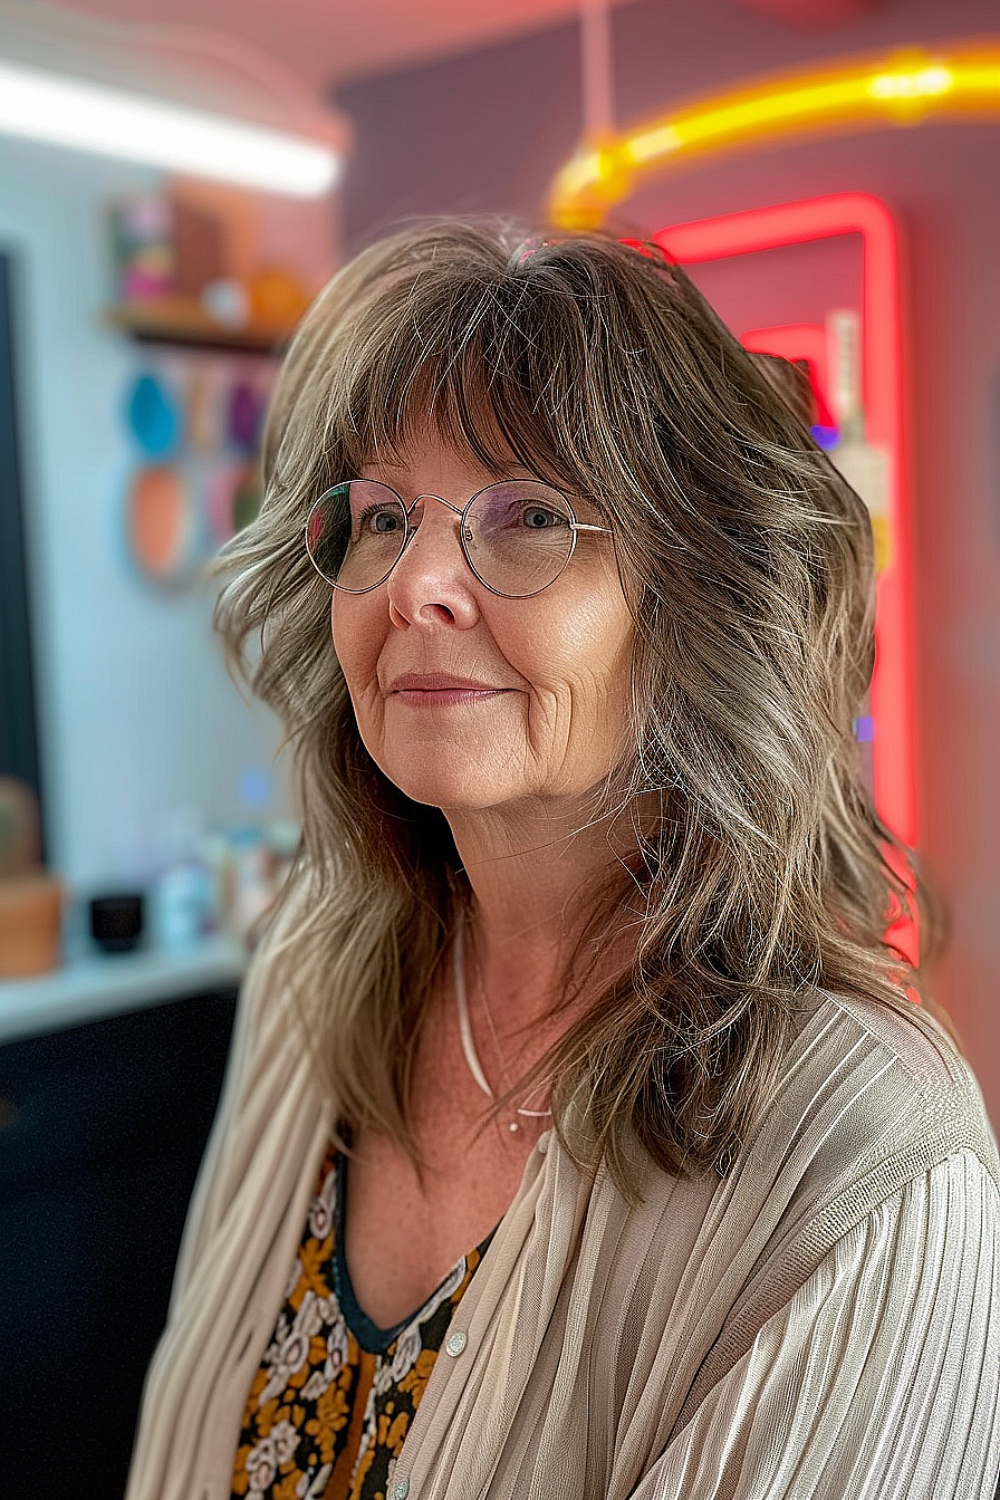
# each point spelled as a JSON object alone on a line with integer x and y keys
{"x": 530, "y": 247}
{"x": 651, "y": 249}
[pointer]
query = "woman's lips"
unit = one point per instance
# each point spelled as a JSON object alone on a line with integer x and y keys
{"x": 440, "y": 689}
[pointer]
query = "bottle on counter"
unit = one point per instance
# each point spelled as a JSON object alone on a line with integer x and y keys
{"x": 181, "y": 898}
{"x": 253, "y": 878}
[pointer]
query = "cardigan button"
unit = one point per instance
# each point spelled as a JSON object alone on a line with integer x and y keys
{"x": 456, "y": 1342}
{"x": 400, "y": 1489}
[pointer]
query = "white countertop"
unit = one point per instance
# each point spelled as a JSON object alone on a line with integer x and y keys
{"x": 92, "y": 987}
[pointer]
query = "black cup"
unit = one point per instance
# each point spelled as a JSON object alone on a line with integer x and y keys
{"x": 116, "y": 922}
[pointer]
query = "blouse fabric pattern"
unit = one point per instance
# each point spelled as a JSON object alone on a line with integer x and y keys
{"x": 335, "y": 1395}
{"x": 822, "y": 1322}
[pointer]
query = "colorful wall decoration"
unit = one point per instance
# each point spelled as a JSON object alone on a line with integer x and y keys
{"x": 195, "y": 421}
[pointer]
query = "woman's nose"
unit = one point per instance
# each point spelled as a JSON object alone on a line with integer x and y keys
{"x": 432, "y": 582}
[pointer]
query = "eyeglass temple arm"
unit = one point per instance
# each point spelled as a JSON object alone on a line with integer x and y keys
{"x": 582, "y": 526}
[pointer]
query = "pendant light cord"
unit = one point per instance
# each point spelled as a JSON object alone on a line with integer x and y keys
{"x": 596, "y": 87}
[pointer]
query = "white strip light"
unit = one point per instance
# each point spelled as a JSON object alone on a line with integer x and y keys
{"x": 86, "y": 117}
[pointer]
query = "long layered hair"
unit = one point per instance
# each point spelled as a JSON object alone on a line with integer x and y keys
{"x": 760, "y": 872}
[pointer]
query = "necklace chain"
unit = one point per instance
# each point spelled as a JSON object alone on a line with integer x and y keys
{"x": 465, "y": 1032}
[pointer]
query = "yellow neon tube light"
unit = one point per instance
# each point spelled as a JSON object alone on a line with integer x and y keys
{"x": 900, "y": 89}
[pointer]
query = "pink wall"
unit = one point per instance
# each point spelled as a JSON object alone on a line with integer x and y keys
{"x": 488, "y": 131}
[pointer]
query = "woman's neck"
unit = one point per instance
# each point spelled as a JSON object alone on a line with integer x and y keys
{"x": 534, "y": 880}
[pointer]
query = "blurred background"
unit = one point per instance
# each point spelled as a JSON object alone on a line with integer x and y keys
{"x": 177, "y": 180}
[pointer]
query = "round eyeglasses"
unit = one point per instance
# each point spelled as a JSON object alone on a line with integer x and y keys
{"x": 517, "y": 535}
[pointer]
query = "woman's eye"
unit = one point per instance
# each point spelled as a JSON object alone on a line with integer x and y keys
{"x": 539, "y": 518}
{"x": 376, "y": 518}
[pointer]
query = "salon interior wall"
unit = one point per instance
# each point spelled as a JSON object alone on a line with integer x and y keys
{"x": 139, "y": 722}
{"x": 487, "y": 130}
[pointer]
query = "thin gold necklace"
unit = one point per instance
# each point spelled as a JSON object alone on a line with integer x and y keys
{"x": 465, "y": 1032}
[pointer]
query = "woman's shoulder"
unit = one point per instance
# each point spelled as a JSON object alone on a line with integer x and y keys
{"x": 882, "y": 1055}
{"x": 875, "y": 1131}
{"x": 870, "y": 1097}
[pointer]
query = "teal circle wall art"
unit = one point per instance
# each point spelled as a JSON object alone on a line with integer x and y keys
{"x": 155, "y": 417}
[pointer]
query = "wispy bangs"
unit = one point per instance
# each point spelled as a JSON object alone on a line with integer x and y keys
{"x": 483, "y": 365}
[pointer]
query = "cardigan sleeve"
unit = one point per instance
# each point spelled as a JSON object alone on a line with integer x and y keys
{"x": 881, "y": 1377}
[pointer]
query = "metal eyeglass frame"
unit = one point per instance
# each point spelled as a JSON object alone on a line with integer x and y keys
{"x": 461, "y": 511}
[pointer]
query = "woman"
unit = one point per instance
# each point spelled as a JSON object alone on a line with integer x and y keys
{"x": 579, "y": 1137}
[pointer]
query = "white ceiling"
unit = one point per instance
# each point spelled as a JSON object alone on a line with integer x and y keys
{"x": 324, "y": 41}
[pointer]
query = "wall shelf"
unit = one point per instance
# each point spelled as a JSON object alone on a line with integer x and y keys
{"x": 181, "y": 320}
{"x": 95, "y": 986}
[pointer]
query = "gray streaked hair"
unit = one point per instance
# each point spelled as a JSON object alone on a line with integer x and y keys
{"x": 760, "y": 871}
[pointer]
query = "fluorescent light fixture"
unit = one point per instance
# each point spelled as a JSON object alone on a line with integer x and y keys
{"x": 86, "y": 117}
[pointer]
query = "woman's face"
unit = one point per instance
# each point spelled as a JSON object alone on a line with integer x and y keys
{"x": 467, "y": 700}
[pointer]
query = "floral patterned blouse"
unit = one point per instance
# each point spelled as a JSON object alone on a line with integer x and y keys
{"x": 334, "y": 1397}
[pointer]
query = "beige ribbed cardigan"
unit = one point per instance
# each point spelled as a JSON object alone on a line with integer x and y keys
{"x": 824, "y": 1322}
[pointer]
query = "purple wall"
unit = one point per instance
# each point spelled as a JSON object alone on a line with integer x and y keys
{"x": 481, "y": 132}
{"x": 488, "y": 130}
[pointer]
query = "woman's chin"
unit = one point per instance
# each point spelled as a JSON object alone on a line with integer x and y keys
{"x": 445, "y": 777}
{"x": 453, "y": 794}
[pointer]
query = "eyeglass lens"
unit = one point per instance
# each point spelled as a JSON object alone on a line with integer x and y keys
{"x": 517, "y": 535}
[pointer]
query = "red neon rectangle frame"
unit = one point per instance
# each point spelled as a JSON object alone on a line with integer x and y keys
{"x": 881, "y": 317}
